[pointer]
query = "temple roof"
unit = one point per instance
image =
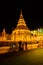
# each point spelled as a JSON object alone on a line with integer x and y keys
{"x": 21, "y": 22}
{"x": 22, "y": 27}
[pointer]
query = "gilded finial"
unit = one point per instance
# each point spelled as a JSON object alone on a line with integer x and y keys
{"x": 21, "y": 16}
{"x": 21, "y": 12}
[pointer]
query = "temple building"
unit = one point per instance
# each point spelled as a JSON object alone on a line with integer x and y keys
{"x": 21, "y": 37}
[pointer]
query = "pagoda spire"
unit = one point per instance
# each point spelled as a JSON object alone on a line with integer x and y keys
{"x": 21, "y": 16}
{"x": 21, "y": 20}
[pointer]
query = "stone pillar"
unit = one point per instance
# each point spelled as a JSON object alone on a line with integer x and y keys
{"x": 25, "y": 46}
{"x": 20, "y": 45}
{"x": 40, "y": 44}
{"x": 17, "y": 46}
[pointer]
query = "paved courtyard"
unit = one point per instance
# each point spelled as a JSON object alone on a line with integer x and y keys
{"x": 28, "y": 57}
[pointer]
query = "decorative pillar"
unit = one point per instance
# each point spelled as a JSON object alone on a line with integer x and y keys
{"x": 25, "y": 45}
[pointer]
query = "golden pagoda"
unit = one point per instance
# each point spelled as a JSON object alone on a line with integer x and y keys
{"x": 21, "y": 35}
{"x": 21, "y": 32}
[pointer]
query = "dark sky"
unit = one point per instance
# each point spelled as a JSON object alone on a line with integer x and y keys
{"x": 10, "y": 11}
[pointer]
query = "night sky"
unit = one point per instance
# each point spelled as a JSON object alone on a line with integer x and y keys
{"x": 10, "y": 12}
